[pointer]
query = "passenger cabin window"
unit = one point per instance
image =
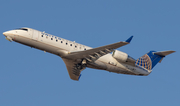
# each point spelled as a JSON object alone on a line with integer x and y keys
{"x": 56, "y": 40}
{"x": 51, "y": 38}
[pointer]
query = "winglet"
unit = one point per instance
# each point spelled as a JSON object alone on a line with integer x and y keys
{"x": 79, "y": 76}
{"x": 129, "y": 39}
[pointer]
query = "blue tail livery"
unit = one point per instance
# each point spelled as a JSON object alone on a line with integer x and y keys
{"x": 149, "y": 60}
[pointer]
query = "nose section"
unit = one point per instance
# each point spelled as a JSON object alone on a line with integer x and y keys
{"x": 6, "y": 33}
{"x": 9, "y": 33}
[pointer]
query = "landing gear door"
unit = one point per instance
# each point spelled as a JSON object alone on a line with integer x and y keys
{"x": 35, "y": 35}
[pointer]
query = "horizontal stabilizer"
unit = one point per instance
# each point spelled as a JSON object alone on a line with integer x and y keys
{"x": 164, "y": 53}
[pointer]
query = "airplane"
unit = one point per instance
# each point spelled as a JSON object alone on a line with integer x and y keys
{"x": 77, "y": 56}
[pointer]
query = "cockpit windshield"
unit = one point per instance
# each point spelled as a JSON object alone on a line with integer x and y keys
{"x": 25, "y": 29}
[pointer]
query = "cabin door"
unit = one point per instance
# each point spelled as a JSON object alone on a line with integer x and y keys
{"x": 35, "y": 35}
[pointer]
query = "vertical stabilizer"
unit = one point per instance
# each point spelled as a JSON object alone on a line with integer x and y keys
{"x": 149, "y": 60}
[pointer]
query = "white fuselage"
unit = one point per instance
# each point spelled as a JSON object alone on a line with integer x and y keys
{"x": 60, "y": 47}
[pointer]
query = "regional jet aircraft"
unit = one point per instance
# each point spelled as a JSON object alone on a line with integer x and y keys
{"x": 77, "y": 56}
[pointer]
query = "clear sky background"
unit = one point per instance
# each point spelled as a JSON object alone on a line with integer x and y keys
{"x": 30, "y": 77}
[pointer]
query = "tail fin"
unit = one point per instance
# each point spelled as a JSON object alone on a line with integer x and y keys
{"x": 149, "y": 60}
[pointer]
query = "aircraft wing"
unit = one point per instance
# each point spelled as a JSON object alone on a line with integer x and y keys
{"x": 93, "y": 54}
{"x": 73, "y": 70}
{"x": 75, "y": 67}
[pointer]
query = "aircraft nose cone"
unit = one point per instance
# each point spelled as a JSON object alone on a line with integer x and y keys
{"x": 4, "y": 33}
{"x": 7, "y": 33}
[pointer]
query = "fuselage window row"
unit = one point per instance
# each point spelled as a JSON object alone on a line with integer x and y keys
{"x": 57, "y": 38}
{"x": 52, "y": 38}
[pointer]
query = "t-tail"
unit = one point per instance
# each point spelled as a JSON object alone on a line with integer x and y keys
{"x": 149, "y": 60}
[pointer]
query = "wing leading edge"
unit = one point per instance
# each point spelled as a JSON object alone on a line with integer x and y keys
{"x": 95, "y": 53}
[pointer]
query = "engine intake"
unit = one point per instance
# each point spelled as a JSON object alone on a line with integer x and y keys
{"x": 123, "y": 57}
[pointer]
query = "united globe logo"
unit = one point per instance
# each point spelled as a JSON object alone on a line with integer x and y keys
{"x": 145, "y": 62}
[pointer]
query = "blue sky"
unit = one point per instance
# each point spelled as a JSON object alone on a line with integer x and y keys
{"x": 30, "y": 77}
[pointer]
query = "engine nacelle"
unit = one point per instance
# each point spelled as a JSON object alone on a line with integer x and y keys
{"x": 123, "y": 57}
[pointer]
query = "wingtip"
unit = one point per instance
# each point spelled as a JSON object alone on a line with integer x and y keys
{"x": 129, "y": 39}
{"x": 79, "y": 77}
